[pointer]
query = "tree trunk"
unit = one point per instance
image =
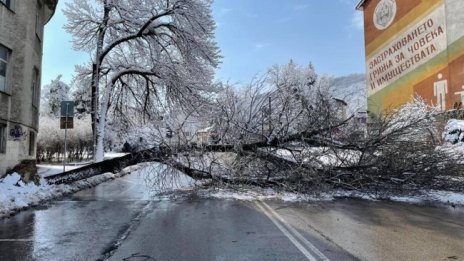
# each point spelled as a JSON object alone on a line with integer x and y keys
{"x": 96, "y": 78}
{"x": 99, "y": 154}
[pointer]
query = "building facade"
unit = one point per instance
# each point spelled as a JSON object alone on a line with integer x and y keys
{"x": 414, "y": 48}
{"x": 21, "y": 40}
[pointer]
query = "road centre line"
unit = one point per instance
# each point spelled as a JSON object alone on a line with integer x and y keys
{"x": 295, "y": 232}
{"x": 292, "y": 239}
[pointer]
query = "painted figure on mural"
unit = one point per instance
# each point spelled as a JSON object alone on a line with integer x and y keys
{"x": 440, "y": 89}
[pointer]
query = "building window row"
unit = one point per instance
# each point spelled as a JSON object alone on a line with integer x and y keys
{"x": 35, "y": 87}
{"x": 4, "y": 58}
{"x": 31, "y": 143}
{"x": 5, "y": 54}
{"x": 2, "y": 138}
{"x": 7, "y": 3}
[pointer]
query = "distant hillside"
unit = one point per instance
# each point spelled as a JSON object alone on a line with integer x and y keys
{"x": 352, "y": 89}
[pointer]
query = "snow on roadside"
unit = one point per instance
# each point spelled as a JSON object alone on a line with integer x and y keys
{"x": 433, "y": 196}
{"x": 423, "y": 197}
{"x": 261, "y": 194}
{"x": 112, "y": 155}
{"x": 15, "y": 195}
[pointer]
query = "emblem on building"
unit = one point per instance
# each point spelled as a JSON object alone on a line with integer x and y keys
{"x": 384, "y": 14}
{"x": 17, "y": 133}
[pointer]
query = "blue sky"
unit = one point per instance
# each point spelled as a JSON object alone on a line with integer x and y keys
{"x": 253, "y": 35}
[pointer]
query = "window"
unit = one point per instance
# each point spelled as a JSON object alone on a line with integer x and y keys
{"x": 7, "y": 3}
{"x": 31, "y": 143}
{"x": 4, "y": 57}
{"x": 35, "y": 87}
{"x": 2, "y": 138}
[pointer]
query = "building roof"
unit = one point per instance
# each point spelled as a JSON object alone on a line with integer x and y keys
{"x": 360, "y": 6}
{"x": 51, "y": 4}
{"x": 341, "y": 101}
{"x": 208, "y": 129}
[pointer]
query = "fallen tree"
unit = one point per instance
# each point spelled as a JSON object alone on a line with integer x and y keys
{"x": 286, "y": 130}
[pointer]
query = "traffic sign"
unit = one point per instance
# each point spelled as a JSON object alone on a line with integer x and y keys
{"x": 67, "y": 109}
{"x": 66, "y": 123}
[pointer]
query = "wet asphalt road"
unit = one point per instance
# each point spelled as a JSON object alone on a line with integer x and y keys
{"x": 118, "y": 220}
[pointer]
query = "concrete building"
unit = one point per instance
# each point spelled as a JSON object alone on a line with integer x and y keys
{"x": 21, "y": 38}
{"x": 207, "y": 135}
{"x": 339, "y": 106}
{"x": 414, "y": 48}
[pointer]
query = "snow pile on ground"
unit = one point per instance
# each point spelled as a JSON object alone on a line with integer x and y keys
{"x": 453, "y": 135}
{"x": 434, "y": 196}
{"x": 422, "y": 197}
{"x": 112, "y": 155}
{"x": 16, "y": 195}
{"x": 260, "y": 194}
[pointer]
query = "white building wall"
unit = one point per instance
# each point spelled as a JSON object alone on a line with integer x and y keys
{"x": 18, "y": 33}
{"x": 454, "y": 19}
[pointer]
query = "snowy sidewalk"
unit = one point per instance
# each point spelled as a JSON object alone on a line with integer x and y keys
{"x": 16, "y": 195}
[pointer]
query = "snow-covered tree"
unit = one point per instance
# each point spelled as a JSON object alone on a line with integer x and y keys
{"x": 81, "y": 90}
{"x": 454, "y": 131}
{"x": 50, "y": 142}
{"x": 287, "y": 100}
{"x": 146, "y": 52}
{"x": 52, "y": 96}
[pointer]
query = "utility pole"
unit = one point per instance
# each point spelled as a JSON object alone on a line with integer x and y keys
{"x": 262, "y": 120}
{"x": 66, "y": 122}
{"x": 65, "y": 137}
{"x": 94, "y": 107}
{"x": 269, "y": 116}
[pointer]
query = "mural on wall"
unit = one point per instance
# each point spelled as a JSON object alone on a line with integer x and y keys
{"x": 440, "y": 89}
{"x": 414, "y": 48}
{"x": 461, "y": 95}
